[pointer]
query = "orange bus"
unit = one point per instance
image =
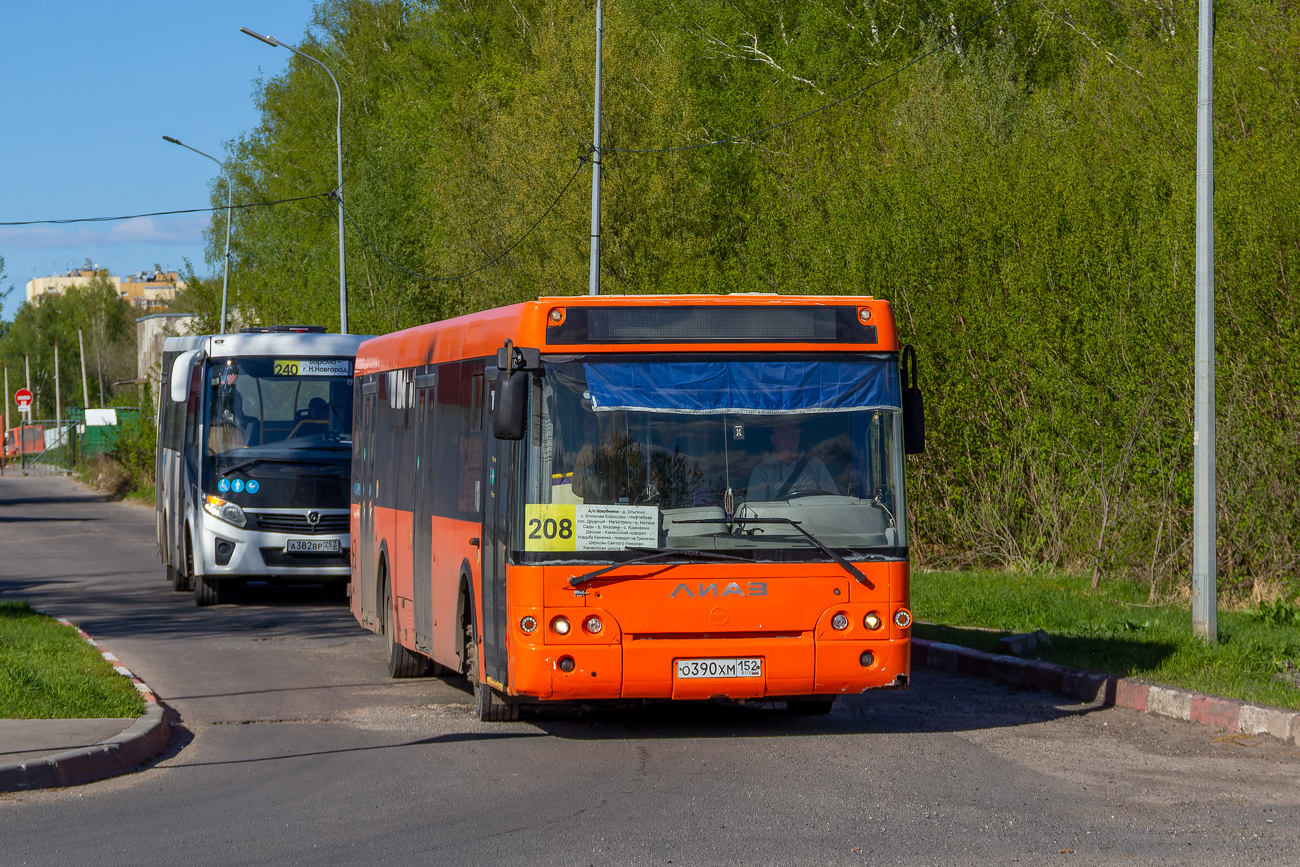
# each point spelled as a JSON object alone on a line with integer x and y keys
{"x": 639, "y": 497}
{"x": 27, "y": 439}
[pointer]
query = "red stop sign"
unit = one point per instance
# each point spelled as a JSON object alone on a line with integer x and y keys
{"x": 23, "y": 398}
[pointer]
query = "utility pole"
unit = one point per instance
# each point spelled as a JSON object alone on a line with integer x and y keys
{"x": 85, "y": 387}
{"x": 58, "y": 408}
{"x": 27, "y": 364}
{"x": 593, "y": 280}
{"x": 1204, "y": 526}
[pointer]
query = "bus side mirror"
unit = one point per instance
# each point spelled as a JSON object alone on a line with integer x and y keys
{"x": 179, "y": 380}
{"x": 511, "y": 405}
{"x": 913, "y": 406}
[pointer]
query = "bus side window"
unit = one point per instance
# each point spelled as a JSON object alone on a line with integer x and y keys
{"x": 471, "y": 442}
{"x": 446, "y": 446}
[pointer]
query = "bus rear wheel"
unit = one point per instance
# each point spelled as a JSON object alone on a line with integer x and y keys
{"x": 401, "y": 661}
{"x": 488, "y": 705}
{"x": 179, "y": 577}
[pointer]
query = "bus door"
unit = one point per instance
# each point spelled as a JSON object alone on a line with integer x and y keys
{"x": 188, "y": 497}
{"x": 495, "y": 540}
{"x": 166, "y": 464}
{"x": 422, "y": 510}
{"x": 366, "y": 564}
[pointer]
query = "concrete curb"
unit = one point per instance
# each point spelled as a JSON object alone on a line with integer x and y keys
{"x": 120, "y": 754}
{"x": 1111, "y": 690}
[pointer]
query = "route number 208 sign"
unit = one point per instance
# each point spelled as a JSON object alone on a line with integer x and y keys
{"x": 570, "y": 527}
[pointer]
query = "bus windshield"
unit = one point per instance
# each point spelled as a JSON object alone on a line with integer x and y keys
{"x": 283, "y": 423}
{"x": 739, "y": 452}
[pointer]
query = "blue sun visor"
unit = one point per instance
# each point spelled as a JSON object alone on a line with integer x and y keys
{"x": 743, "y": 387}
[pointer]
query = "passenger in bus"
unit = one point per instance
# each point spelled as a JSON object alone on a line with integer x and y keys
{"x": 230, "y": 428}
{"x": 587, "y": 483}
{"x": 788, "y": 470}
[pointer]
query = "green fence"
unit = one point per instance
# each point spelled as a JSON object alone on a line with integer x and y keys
{"x": 66, "y": 442}
{"x": 97, "y": 429}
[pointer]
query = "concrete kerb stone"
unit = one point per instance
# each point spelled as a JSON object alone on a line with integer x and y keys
{"x": 1207, "y": 710}
{"x": 120, "y": 754}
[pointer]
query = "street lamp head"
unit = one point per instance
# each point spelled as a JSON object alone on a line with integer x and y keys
{"x": 173, "y": 140}
{"x": 269, "y": 40}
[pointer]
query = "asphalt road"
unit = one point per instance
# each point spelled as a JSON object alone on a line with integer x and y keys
{"x": 295, "y": 748}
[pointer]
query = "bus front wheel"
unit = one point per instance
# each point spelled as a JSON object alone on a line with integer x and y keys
{"x": 488, "y": 706}
{"x": 811, "y": 706}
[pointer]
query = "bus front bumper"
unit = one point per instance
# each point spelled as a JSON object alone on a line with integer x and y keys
{"x": 794, "y": 666}
{"x": 230, "y": 551}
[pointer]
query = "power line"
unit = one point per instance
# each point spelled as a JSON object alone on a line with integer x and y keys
{"x": 161, "y": 213}
{"x": 818, "y": 110}
{"x": 484, "y": 266}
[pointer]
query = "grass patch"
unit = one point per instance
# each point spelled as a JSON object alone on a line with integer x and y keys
{"x": 1256, "y": 659}
{"x": 48, "y": 671}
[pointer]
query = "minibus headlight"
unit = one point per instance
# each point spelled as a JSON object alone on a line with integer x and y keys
{"x": 228, "y": 512}
{"x": 593, "y": 624}
{"x": 528, "y": 624}
{"x": 871, "y": 621}
{"x": 840, "y": 622}
{"x": 560, "y": 625}
{"x": 902, "y": 618}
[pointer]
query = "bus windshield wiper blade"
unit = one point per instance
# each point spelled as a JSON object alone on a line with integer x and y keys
{"x": 847, "y": 566}
{"x": 268, "y": 459}
{"x": 654, "y": 554}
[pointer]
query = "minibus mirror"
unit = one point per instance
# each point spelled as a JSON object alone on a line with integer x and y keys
{"x": 511, "y": 405}
{"x": 180, "y": 374}
{"x": 913, "y": 406}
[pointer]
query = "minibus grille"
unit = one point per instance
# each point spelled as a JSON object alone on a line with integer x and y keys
{"x": 289, "y": 522}
{"x": 278, "y": 557}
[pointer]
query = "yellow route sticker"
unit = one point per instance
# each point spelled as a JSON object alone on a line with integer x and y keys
{"x": 588, "y": 527}
{"x": 550, "y": 526}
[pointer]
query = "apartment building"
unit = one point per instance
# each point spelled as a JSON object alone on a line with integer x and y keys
{"x": 148, "y": 291}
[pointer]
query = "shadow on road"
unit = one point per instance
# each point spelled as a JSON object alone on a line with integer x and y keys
{"x": 924, "y": 708}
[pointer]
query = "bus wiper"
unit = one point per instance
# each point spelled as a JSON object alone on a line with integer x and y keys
{"x": 847, "y": 566}
{"x": 654, "y": 554}
{"x": 248, "y": 463}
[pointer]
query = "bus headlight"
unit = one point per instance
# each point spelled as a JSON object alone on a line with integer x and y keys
{"x": 871, "y": 621}
{"x": 560, "y": 625}
{"x": 840, "y": 622}
{"x": 228, "y": 512}
{"x": 593, "y": 624}
{"x": 528, "y": 624}
{"x": 902, "y": 618}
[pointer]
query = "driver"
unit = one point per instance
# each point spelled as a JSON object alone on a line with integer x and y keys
{"x": 788, "y": 470}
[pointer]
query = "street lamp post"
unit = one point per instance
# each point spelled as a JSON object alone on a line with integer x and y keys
{"x": 338, "y": 191}
{"x": 225, "y": 273}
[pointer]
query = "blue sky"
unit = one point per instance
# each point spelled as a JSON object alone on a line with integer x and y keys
{"x": 90, "y": 89}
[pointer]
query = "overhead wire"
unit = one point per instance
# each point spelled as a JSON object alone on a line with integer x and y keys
{"x": 162, "y": 213}
{"x": 484, "y": 266}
